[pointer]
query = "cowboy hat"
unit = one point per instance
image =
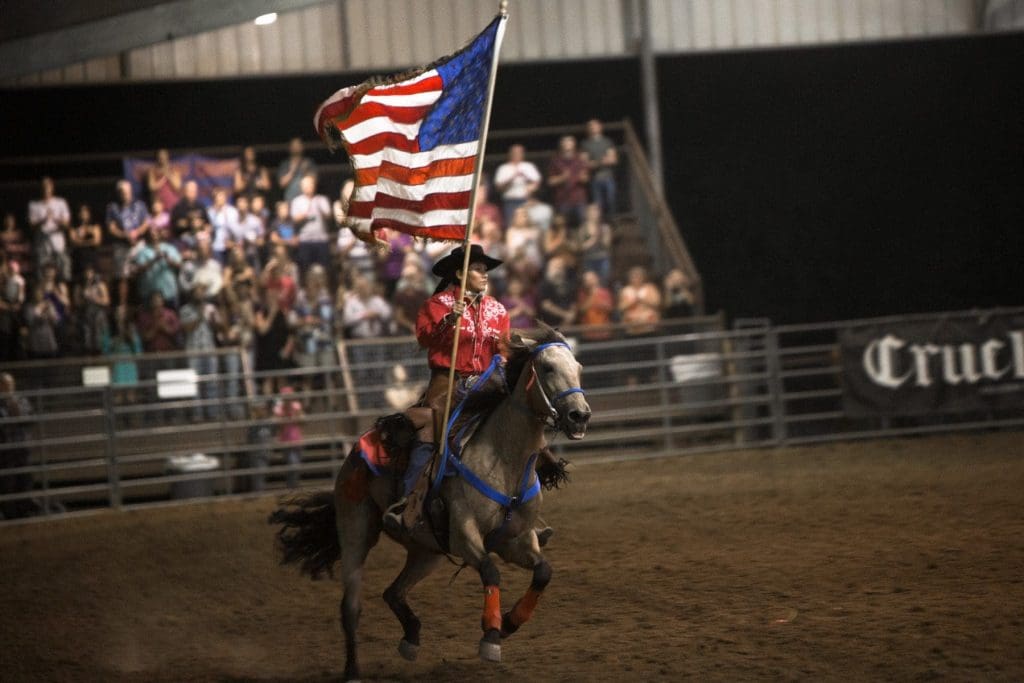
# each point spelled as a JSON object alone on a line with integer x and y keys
{"x": 446, "y": 267}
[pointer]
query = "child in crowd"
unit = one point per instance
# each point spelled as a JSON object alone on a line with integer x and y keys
{"x": 288, "y": 410}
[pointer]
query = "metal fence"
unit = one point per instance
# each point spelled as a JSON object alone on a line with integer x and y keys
{"x": 694, "y": 387}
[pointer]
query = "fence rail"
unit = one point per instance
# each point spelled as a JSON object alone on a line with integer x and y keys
{"x": 696, "y": 387}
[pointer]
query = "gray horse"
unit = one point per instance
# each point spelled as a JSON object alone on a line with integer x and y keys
{"x": 490, "y": 506}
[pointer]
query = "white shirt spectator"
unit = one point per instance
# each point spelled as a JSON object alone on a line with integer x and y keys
{"x": 50, "y": 214}
{"x": 225, "y": 226}
{"x": 519, "y": 176}
{"x": 360, "y": 326}
{"x": 316, "y": 210}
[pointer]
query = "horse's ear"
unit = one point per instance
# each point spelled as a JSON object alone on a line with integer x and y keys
{"x": 518, "y": 341}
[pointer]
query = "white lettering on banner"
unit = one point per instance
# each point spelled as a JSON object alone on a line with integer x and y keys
{"x": 885, "y": 357}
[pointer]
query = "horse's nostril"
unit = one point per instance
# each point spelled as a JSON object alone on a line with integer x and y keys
{"x": 578, "y": 416}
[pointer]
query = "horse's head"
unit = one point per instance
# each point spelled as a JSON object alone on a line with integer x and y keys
{"x": 552, "y": 377}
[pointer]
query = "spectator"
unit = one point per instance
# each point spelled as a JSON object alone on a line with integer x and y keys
{"x": 224, "y": 221}
{"x": 154, "y": 265}
{"x": 85, "y": 238}
{"x": 94, "y": 299}
{"x": 158, "y": 325}
{"x": 411, "y": 292}
{"x": 251, "y": 179}
{"x": 124, "y": 374}
{"x": 289, "y": 411}
{"x": 520, "y": 304}
{"x": 188, "y": 217}
{"x": 541, "y": 214}
{"x": 252, "y": 231}
{"x": 522, "y": 238}
{"x": 366, "y": 316}
{"x": 201, "y": 268}
{"x": 312, "y": 318}
{"x": 236, "y": 312}
{"x": 515, "y": 180}
{"x": 49, "y": 219}
{"x": 12, "y": 299}
{"x": 282, "y": 229}
{"x": 391, "y": 261}
{"x": 679, "y": 298}
{"x": 160, "y": 219}
{"x": 127, "y": 223}
{"x": 278, "y": 277}
{"x": 639, "y": 304}
{"x": 200, "y": 321}
{"x": 485, "y": 209}
{"x": 557, "y": 294}
{"x": 558, "y": 242}
{"x": 41, "y": 318}
{"x": 492, "y": 242}
{"x": 16, "y": 245}
{"x": 17, "y": 409}
{"x": 595, "y": 306}
{"x": 595, "y": 243}
{"x": 56, "y": 292}
{"x": 568, "y": 175}
{"x": 274, "y": 343}
{"x": 293, "y": 169}
{"x": 164, "y": 180}
{"x": 354, "y": 254}
{"x": 602, "y": 158}
{"x": 238, "y": 269}
{"x": 310, "y": 213}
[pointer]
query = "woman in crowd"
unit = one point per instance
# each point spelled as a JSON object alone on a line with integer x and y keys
{"x": 237, "y": 269}
{"x": 85, "y": 238}
{"x": 16, "y": 245}
{"x": 251, "y": 179}
{"x": 164, "y": 180}
{"x": 42, "y": 319}
{"x": 679, "y": 298}
{"x": 274, "y": 341}
{"x": 520, "y": 304}
{"x": 596, "y": 242}
{"x": 559, "y": 242}
{"x": 312, "y": 318}
{"x": 522, "y": 238}
{"x": 94, "y": 298}
{"x": 639, "y": 303}
{"x": 595, "y": 307}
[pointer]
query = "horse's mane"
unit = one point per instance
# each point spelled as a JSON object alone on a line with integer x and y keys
{"x": 486, "y": 398}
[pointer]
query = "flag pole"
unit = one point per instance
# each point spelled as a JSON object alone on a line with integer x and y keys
{"x": 478, "y": 168}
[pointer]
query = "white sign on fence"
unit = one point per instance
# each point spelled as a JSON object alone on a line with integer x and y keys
{"x": 177, "y": 383}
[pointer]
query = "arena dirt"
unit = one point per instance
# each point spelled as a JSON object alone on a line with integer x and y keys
{"x": 868, "y": 561}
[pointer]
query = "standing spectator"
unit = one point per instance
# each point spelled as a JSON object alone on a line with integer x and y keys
{"x": 94, "y": 298}
{"x": 679, "y": 299}
{"x": 541, "y": 214}
{"x": 160, "y": 218}
{"x": 49, "y": 219}
{"x": 602, "y": 158}
{"x": 238, "y": 269}
{"x": 253, "y": 232}
{"x": 596, "y": 243}
{"x": 202, "y": 269}
{"x": 391, "y": 261}
{"x": 188, "y": 217}
{"x": 164, "y": 180}
{"x": 282, "y": 229}
{"x": 515, "y": 180}
{"x": 273, "y": 340}
{"x": 366, "y": 317}
{"x": 293, "y": 169}
{"x": 411, "y": 292}
{"x": 486, "y": 210}
{"x": 312, "y": 318}
{"x": 289, "y": 411}
{"x": 310, "y": 213}
{"x": 251, "y": 179}
{"x": 85, "y": 238}
{"x": 279, "y": 277}
{"x": 596, "y": 306}
{"x": 558, "y": 242}
{"x": 56, "y": 292}
{"x": 236, "y": 310}
{"x": 17, "y": 409}
{"x": 42, "y": 319}
{"x": 558, "y": 294}
{"x": 200, "y": 321}
{"x": 127, "y": 223}
{"x": 639, "y": 303}
{"x": 224, "y": 221}
{"x": 568, "y": 175}
{"x": 520, "y": 304}
{"x": 522, "y": 238}
{"x": 16, "y": 245}
{"x": 12, "y": 298}
{"x": 124, "y": 374}
{"x": 154, "y": 266}
{"x": 158, "y": 325}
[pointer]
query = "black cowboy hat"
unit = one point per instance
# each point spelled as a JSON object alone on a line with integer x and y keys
{"x": 446, "y": 267}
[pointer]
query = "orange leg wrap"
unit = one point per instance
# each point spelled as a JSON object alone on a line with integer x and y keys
{"x": 523, "y": 610}
{"x": 492, "y": 608}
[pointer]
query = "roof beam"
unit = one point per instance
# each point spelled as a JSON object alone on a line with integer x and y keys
{"x": 138, "y": 28}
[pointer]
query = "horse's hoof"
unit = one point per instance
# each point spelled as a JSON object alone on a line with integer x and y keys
{"x": 490, "y": 652}
{"x": 408, "y": 650}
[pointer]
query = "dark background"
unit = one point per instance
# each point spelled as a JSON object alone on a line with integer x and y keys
{"x": 810, "y": 184}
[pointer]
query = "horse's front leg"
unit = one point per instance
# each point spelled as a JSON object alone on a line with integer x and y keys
{"x": 524, "y": 551}
{"x": 468, "y": 543}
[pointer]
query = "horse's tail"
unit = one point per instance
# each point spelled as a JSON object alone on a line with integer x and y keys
{"x": 309, "y": 533}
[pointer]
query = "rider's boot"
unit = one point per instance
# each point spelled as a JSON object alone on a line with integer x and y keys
{"x": 402, "y": 515}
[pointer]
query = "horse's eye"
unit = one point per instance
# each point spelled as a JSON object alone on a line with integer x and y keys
{"x": 547, "y": 367}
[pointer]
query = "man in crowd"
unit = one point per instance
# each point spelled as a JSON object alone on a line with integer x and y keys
{"x": 127, "y": 223}
{"x": 199, "y": 321}
{"x": 189, "y": 215}
{"x": 155, "y": 268}
{"x": 50, "y": 219}
{"x": 293, "y": 169}
{"x": 567, "y": 176}
{"x": 224, "y": 221}
{"x": 310, "y": 214}
{"x": 602, "y": 158}
{"x": 515, "y": 180}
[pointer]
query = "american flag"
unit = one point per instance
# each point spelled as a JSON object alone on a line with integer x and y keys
{"x": 413, "y": 140}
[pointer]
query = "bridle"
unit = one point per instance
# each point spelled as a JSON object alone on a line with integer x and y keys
{"x": 549, "y": 415}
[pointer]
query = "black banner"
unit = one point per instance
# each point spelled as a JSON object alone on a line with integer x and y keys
{"x": 946, "y": 365}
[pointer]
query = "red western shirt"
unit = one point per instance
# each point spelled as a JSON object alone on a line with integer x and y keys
{"x": 484, "y": 325}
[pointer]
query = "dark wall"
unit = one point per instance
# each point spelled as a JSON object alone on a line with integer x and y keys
{"x": 810, "y": 184}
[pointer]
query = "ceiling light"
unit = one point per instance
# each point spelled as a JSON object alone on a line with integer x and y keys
{"x": 266, "y": 19}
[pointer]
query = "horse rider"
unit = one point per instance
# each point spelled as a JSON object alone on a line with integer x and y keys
{"x": 484, "y": 326}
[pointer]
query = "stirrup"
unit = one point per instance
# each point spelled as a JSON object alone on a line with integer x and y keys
{"x": 392, "y": 518}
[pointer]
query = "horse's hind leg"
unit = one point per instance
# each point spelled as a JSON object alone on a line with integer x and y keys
{"x": 418, "y": 564}
{"x": 525, "y": 552}
{"x": 359, "y": 529}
